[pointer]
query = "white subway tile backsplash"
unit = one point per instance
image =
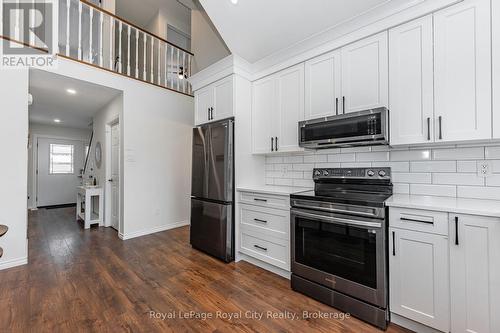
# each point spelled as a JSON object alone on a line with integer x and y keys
{"x": 372, "y": 156}
{"x": 315, "y": 158}
{"x": 492, "y": 152}
{"x": 411, "y": 178}
{"x": 477, "y": 192}
{"x": 439, "y": 190}
{"x": 457, "y": 179}
{"x": 433, "y": 166}
{"x": 493, "y": 180}
{"x": 410, "y": 155}
{"x": 473, "y": 153}
{"x": 395, "y": 166}
{"x": 342, "y": 157}
{"x": 467, "y": 166}
{"x": 442, "y": 171}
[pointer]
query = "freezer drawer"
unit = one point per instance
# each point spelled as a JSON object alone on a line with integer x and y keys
{"x": 212, "y": 229}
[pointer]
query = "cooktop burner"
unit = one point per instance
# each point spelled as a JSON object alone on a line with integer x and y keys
{"x": 354, "y": 186}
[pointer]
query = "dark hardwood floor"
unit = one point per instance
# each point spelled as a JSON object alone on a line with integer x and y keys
{"x": 89, "y": 280}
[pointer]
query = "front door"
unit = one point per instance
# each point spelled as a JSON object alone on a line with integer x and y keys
{"x": 115, "y": 176}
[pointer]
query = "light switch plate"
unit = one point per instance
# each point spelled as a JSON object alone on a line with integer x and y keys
{"x": 484, "y": 168}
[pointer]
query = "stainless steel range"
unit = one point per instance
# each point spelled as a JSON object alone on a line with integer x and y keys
{"x": 339, "y": 241}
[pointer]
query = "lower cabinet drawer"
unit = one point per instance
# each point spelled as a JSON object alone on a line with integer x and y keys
{"x": 274, "y": 222}
{"x": 265, "y": 200}
{"x": 419, "y": 220}
{"x": 274, "y": 252}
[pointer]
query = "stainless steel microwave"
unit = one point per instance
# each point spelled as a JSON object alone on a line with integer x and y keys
{"x": 369, "y": 127}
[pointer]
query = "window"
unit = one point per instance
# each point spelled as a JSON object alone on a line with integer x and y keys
{"x": 61, "y": 159}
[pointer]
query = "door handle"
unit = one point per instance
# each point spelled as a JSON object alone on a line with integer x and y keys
{"x": 276, "y": 144}
{"x": 440, "y": 119}
{"x": 272, "y": 144}
{"x": 343, "y": 104}
{"x": 336, "y": 105}
{"x": 456, "y": 230}
{"x": 394, "y": 243}
{"x": 428, "y": 128}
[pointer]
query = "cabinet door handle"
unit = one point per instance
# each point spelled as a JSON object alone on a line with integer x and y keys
{"x": 259, "y": 220}
{"x": 394, "y": 243}
{"x": 336, "y": 105}
{"x": 428, "y": 128}
{"x": 456, "y": 230}
{"x": 343, "y": 104}
{"x": 440, "y": 119}
{"x": 212, "y": 113}
{"x": 276, "y": 144}
{"x": 208, "y": 113}
{"x": 260, "y": 247}
{"x": 272, "y": 144}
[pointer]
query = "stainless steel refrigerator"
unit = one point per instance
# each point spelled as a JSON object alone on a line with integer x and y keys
{"x": 212, "y": 189}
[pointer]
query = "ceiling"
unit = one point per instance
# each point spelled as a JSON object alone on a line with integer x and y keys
{"x": 51, "y": 101}
{"x": 254, "y": 29}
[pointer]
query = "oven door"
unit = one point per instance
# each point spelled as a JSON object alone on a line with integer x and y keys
{"x": 341, "y": 252}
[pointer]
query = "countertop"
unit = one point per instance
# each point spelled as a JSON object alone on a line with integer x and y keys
{"x": 270, "y": 189}
{"x": 446, "y": 204}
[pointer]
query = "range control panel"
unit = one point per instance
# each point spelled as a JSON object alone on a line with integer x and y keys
{"x": 364, "y": 173}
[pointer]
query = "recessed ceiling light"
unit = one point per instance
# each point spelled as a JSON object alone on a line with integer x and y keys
{"x": 57, "y": 120}
{"x": 71, "y": 91}
{"x": 234, "y": 2}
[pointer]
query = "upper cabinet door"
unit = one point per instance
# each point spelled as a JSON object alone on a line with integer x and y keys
{"x": 203, "y": 103}
{"x": 462, "y": 60}
{"x": 290, "y": 107}
{"x": 223, "y": 104}
{"x": 322, "y": 86}
{"x": 411, "y": 97}
{"x": 495, "y": 14}
{"x": 365, "y": 74}
{"x": 474, "y": 274}
{"x": 263, "y": 108}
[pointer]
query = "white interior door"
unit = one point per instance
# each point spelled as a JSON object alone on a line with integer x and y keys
{"x": 115, "y": 175}
{"x": 58, "y": 165}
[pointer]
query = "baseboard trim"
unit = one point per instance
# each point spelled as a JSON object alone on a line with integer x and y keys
{"x": 144, "y": 232}
{"x": 264, "y": 265}
{"x": 13, "y": 263}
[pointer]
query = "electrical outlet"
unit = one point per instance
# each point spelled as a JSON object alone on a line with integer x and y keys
{"x": 484, "y": 168}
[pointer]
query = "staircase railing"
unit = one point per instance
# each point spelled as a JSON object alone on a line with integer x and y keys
{"x": 92, "y": 35}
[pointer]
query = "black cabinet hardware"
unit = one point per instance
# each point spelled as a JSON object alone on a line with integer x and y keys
{"x": 260, "y": 247}
{"x": 337, "y": 105}
{"x": 456, "y": 230}
{"x": 343, "y": 104}
{"x": 440, "y": 118}
{"x": 258, "y": 199}
{"x": 428, "y": 128}
{"x": 276, "y": 144}
{"x": 259, "y": 220}
{"x": 415, "y": 220}
{"x": 393, "y": 243}
{"x": 272, "y": 144}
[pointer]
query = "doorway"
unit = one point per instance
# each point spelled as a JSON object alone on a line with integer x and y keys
{"x": 113, "y": 172}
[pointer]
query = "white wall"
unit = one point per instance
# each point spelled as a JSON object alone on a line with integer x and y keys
{"x": 171, "y": 13}
{"x": 156, "y": 153}
{"x": 51, "y": 132}
{"x": 13, "y": 146}
{"x": 206, "y": 44}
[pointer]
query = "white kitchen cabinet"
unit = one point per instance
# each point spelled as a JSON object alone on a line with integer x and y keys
{"x": 419, "y": 277}
{"x": 277, "y": 107}
{"x": 264, "y": 104}
{"x": 322, "y": 86}
{"x": 495, "y": 28}
{"x": 411, "y": 96}
{"x": 474, "y": 274}
{"x": 215, "y": 101}
{"x": 365, "y": 74}
{"x": 462, "y": 71}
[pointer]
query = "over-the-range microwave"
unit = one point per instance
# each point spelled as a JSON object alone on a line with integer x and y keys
{"x": 369, "y": 127}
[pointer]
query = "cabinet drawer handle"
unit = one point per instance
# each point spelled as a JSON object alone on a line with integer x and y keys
{"x": 415, "y": 220}
{"x": 260, "y": 248}
{"x": 440, "y": 119}
{"x": 272, "y": 144}
{"x": 456, "y": 230}
{"x": 259, "y": 220}
{"x": 258, "y": 199}
{"x": 428, "y": 128}
{"x": 394, "y": 243}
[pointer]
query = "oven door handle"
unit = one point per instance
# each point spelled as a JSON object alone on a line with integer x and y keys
{"x": 336, "y": 220}
{"x": 336, "y": 210}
